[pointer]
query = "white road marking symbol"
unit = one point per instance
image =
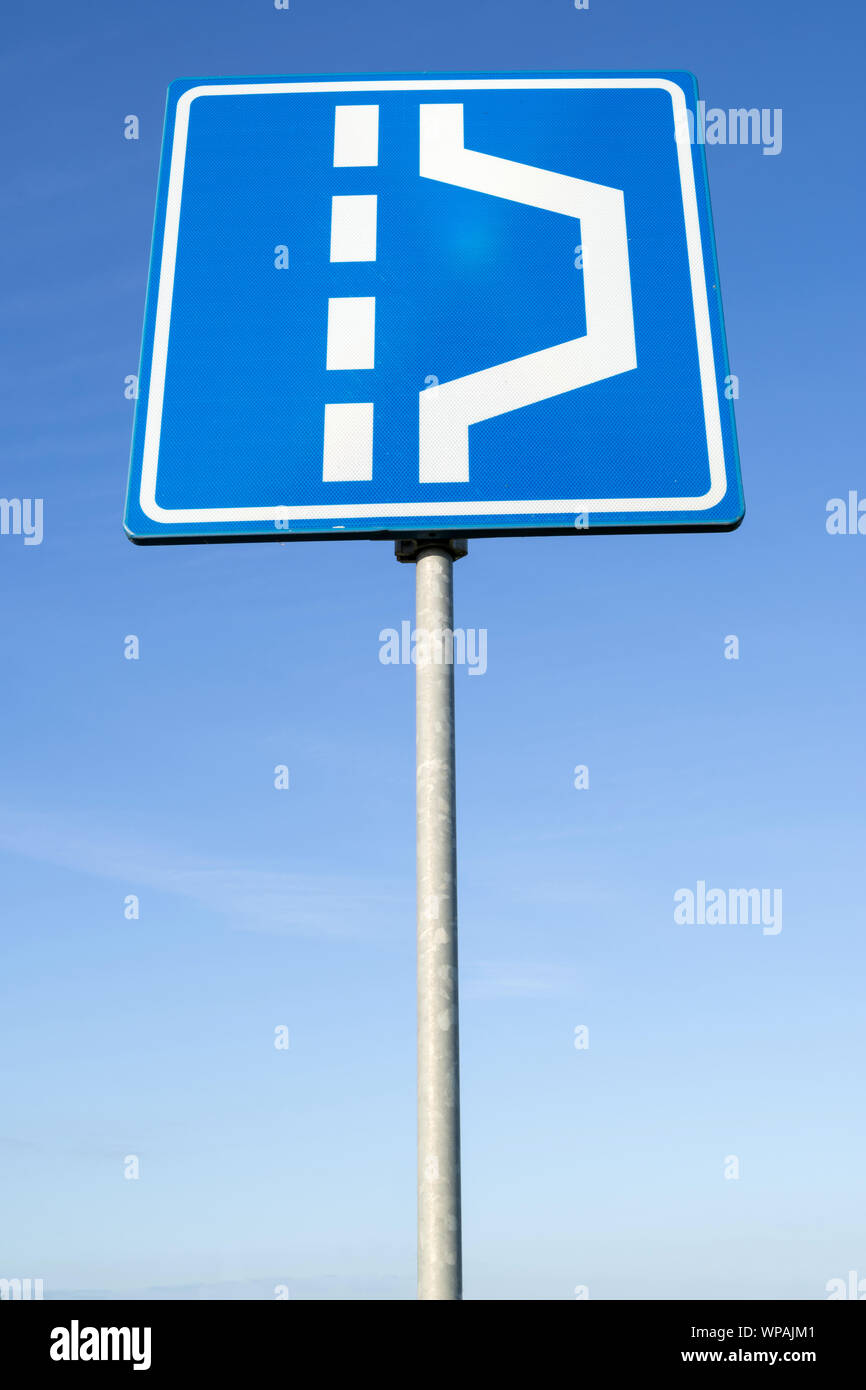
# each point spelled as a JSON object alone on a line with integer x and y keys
{"x": 606, "y": 349}
{"x": 608, "y": 346}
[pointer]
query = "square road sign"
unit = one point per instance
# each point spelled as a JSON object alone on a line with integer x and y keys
{"x": 432, "y": 305}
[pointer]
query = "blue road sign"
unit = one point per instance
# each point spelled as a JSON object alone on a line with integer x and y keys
{"x": 402, "y": 306}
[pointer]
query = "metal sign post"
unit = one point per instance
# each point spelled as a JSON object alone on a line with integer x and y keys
{"x": 417, "y": 307}
{"x": 440, "y": 1274}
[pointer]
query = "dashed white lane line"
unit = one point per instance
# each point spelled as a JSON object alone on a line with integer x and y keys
{"x": 351, "y": 342}
{"x": 351, "y": 333}
{"x": 348, "y": 442}
{"x": 353, "y": 227}
{"x": 356, "y": 136}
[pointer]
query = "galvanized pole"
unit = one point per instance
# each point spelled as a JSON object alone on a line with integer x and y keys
{"x": 440, "y": 1274}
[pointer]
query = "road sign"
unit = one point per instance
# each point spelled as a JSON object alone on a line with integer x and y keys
{"x": 417, "y": 306}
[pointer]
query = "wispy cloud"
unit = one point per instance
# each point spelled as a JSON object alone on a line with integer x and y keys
{"x": 322, "y": 1287}
{"x": 519, "y": 980}
{"x": 256, "y": 898}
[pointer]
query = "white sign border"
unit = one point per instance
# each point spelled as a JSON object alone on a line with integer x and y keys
{"x": 393, "y": 510}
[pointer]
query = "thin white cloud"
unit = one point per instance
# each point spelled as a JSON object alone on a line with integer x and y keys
{"x": 518, "y": 980}
{"x": 255, "y": 898}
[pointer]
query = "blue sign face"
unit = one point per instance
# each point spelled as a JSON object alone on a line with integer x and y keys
{"x": 455, "y": 305}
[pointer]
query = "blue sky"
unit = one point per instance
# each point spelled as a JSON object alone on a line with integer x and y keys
{"x": 262, "y": 908}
